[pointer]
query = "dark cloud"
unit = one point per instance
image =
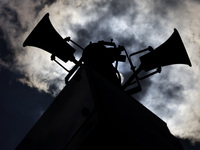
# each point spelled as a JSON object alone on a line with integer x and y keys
{"x": 146, "y": 84}
{"x": 163, "y": 7}
{"x": 171, "y": 91}
{"x": 5, "y": 54}
{"x": 188, "y": 145}
{"x": 198, "y": 1}
{"x": 10, "y": 18}
{"x": 122, "y": 8}
{"x": 53, "y": 86}
{"x": 100, "y": 28}
{"x": 168, "y": 3}
{"x": 42, "y": 5}
{"x": 9, "y": 14}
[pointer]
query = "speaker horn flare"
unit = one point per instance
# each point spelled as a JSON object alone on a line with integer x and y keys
{"x": 170, "y": 52}
{"x": 44, "y": 36}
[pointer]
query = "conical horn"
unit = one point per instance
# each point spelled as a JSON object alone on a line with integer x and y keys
{"x": 170, "y": 52}
{"x": 44, "y": 36}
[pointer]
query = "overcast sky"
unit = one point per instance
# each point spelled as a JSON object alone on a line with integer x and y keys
{"x": 30, "y": 80}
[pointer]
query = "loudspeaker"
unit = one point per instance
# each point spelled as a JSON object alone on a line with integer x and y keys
{"x": 44, "y": 36}
{"x": 170, "y": 52}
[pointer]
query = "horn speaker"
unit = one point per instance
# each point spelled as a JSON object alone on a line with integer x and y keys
{"x": 170, "y": 52}
{"x": 44, "y": 36}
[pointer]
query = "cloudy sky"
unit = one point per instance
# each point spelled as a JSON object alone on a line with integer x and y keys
{"x": 30, "y": 80}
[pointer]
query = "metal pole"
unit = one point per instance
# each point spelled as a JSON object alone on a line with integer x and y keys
{"x": 61, "y": 65}
{"x": 68, "y": 39}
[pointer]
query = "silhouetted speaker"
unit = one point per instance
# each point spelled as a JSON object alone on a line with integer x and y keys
{"x": 44, "y": 36}
{"x": 170, "y": 52}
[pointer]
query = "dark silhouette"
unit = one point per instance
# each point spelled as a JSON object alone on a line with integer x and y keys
{"x": 170, "y": 52}
{"x": 100, "y": 58}
{"x": 94, "y": 111}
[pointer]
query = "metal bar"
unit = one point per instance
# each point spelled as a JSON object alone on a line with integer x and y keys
{"x": 132, "y": 67}
{"x": 76, "y": 44}
{"x": 73, "y": 70}
{"x": 69, "y": 39}
{"x": 134, "y": 75}
{"x": 139, "y": 52}
{"x": 150, "y": 74}
{"x": 60, "y": 65}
